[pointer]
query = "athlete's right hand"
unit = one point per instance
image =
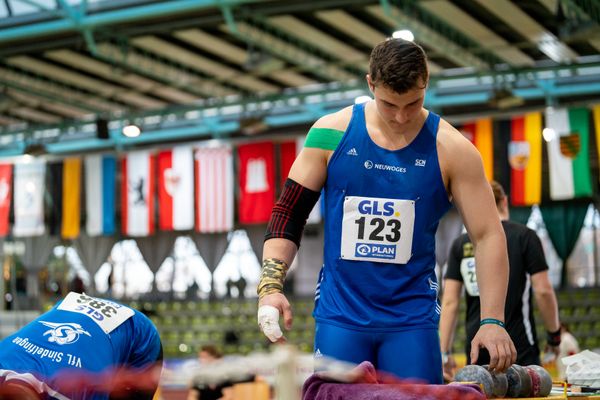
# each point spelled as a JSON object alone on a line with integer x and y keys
{"x": 270, "y": 307}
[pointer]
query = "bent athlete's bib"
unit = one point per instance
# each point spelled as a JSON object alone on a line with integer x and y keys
{"x": 107, "y": 314}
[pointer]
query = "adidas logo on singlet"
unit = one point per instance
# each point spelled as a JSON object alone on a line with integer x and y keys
{"x": 352, "y": 152}
{"x": 318, "y": 353}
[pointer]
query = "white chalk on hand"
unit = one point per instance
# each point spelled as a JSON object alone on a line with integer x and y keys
{"x": 268, "y": 320}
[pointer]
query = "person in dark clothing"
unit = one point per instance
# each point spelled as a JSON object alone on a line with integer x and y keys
{"x": 528, "y": 272}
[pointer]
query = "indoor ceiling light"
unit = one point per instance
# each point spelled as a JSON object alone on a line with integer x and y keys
{"x": 404, "y": 34}
{"x": 131, "y": 130}
{"x": 549, "y": 134}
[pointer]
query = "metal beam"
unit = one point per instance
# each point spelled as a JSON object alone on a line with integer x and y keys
{"x": 590, "y": 7}
{"x": 256, "y": 32}
{"x": 126, "y": 15}
{"x": 428, "y": 36}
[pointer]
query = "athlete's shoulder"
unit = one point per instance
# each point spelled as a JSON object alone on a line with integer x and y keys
{"x": 328, "y": 131}
{"x": 451, "y": 137}
{"x": 338, "y": 120}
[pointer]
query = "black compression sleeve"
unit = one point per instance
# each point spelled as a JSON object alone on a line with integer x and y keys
{"x": 291, "y": 212}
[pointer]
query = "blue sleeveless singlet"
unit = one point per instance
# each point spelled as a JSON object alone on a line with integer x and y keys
{"x": 378, "y": 271}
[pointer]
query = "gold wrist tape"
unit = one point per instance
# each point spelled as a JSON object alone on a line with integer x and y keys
{"x": 271, "y": 277}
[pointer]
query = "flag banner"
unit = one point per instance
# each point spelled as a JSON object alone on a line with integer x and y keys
{"x": 257, "y": 182}
{"x": 525, "y": 158}
{"x": 53, "y": 200}
{"x": 596, "y": 112}
{"x": 137, "y": 194}
{"x": 568, "y": 155}
{"x": 502, "y": 138}
{"x": 214, "y": 189}
{"x": 5, "y": 197}
{"x": 176, "y": 189}
{"x": 480, "y": 133}
{"x": 29, "y": 198}
{"x": 71, "y": 195}
{"x": 287, "y": 155}
{"x": 100, "y": 192}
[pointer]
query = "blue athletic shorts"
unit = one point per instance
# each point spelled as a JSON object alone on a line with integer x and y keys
{"x": 409, "y": 354}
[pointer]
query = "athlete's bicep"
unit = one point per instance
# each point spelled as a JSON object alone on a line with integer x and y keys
{"x": 310, "y": 168}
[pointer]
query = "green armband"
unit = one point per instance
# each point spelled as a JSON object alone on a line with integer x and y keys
{"x": 323, "y": 138}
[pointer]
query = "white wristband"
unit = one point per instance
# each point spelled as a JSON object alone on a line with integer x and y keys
{"x": 268, "y": 320}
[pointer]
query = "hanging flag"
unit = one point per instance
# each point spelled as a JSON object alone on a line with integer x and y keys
{"x": 54, "y": 185}
{"x": 287, "y": 155}
{"x": 29, "y": 198}
{"x": 596, "y": 111}
{"x": 525, "y": 158}
{"x": 71, "y": 195}
{"x": 214, "y": 189}
{"x": 480, "y": 133}
{"x": 100, "y": 181}
{"x": 257, "y": 182}
{"x": 568, "y": 155}
{"x": 176, "y": 189}
{"x": 5, "y": 197}
{"x": 137, "y": 194}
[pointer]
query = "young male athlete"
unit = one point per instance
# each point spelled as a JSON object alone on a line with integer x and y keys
{"x": 389, "y": 169}
{"x": 528, "y": 270}
{"x": 83, "y": 348}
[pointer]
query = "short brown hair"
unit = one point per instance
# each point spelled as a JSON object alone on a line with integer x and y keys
{"x": 499, "y": 193}
{"x": 212, "y": 350}
{"x": 399, "y": 64}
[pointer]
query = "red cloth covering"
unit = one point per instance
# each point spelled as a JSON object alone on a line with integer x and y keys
{"x": 364, "y": 383}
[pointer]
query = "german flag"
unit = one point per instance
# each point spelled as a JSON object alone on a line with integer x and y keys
{"x": 480, "y": 133}
{"x": 525, "y": 158}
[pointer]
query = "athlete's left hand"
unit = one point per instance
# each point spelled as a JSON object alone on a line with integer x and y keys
{"x": 498, "y": 343}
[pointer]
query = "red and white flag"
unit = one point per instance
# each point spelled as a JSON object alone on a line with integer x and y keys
{"x": 214, "y": 189}
{"x": 137, "y": 194}
{"x": 257, "y": 182}
{"x": 176, "y": 189}
{"x": 5, "y": 196}
{"x": 287, "y": 155}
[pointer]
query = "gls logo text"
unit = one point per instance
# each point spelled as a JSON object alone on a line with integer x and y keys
{"x": 374, "y": 207}
{"x": 384, "y": 167}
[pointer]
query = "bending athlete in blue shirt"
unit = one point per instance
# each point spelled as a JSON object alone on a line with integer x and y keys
{"x": 83, "y": 348}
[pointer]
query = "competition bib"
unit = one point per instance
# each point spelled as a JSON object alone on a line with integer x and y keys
{"x": 376, "y": 229}
{"x": 105, "y": 313}
{"x": 467, "y": 270}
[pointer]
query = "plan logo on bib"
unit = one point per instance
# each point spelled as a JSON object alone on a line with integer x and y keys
{"x": 64, "y": 332}
{"x": 383, "y": 251}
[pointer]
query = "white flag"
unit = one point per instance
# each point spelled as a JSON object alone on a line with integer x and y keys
{"x": 29, "y": 198}
{"x": 214, "y": 189}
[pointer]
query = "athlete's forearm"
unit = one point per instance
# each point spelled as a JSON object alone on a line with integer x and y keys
{"x": 448, "y": 320}
{"x": 281, "y": 249}
{"x": 548, "y": 307}
{"x": 492, "y": 274}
